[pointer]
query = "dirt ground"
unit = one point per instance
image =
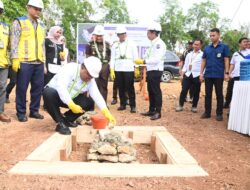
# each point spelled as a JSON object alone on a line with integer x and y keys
{"x": 224, "y": 154}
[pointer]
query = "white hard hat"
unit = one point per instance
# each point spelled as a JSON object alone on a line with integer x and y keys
{"x": 93, "y": 66}
{"x": 36, "y": 3}
{"x": 99, "y": 30}
{"x": 155, "y": 27}
{"x": 1, "y": 5}
{"x": 121, "y": 30}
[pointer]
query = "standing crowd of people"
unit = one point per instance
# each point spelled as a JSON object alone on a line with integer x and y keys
{"x": 213, "y": 66}
{"x": 41, "y": 61}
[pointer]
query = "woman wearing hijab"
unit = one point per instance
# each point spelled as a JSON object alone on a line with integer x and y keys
{"x": 54, "y": 53}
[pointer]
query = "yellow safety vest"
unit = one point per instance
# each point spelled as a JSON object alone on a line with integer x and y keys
{"x": 4, "y": 41}
{"x": 30, "y": 47}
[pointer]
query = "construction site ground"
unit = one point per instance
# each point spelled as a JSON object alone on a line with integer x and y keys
{"x": 223, "y": 154}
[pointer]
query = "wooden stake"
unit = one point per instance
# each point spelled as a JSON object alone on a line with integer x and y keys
{"x": 163, "y": 158}
{"x": 63, "y": 155}
{"x": 74, "y": 143}
{"x": 152, "y": 145}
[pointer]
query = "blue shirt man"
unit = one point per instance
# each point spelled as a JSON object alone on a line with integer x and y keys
{"x": 215, "y": 62}
{"x": 214, "y": 56}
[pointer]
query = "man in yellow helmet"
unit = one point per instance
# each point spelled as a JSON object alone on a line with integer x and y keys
{"x": 27, "y": 54}
{"x": 4, "y": 41}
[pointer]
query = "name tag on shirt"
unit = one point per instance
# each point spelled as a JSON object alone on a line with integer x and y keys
{"x": 218, "y": 55}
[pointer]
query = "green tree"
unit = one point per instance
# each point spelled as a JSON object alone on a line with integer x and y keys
{"x": 52, "y": 14}
{"x": 203, "y": 16}
{"x": 115, "y": 11}
{"x": 231, "y": 38}
{"x": 172, "y": 22}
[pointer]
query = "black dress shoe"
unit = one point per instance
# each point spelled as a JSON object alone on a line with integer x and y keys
{"x": 121, "y": 108}
{"x": 133, "y": 110}
{"x": 22, "y": 118}
{"x": 63, "y": 129}
{"x": 69, "y": 123}
{"x": 36, "y": 115}
{"x": 205, "y": 116}
{"x": 219, "y": 118}
{"x": 156, "y": 116}
{"x": 149, "y": 113}
{"x": 114, "y": 101}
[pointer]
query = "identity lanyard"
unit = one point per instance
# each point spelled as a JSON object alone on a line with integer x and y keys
{"x": 74, "y": 83}
{"x": 149, "y": 52}
{"x": 194, "y": 55}
{"x": 98, "y": 52}
{"x": 125, "y": 49}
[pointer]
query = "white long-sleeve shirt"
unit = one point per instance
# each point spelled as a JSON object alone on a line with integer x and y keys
{"x": 68, "y": 84}
{"x": 123, "y": 55}
{"x": 236, "y": 59}
{"x": 155, "y": 55}
{"x": 195, "y": 60}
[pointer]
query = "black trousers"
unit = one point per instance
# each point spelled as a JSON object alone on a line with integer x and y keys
{"x": 154, "y": 90}
{"x": 125, "y": 83}
{"x": 196, "y": 86}
{"x": 53, "y": 103}
{"x": 230, "y": 87}
{"x": 191, "y": 90}
{"x": 12, "y": 82}
{"x": 115, "y": 89}
{"x": 32, "y": 74}
{"x": 102, "y": 81}
{"x": 218, "y": 84}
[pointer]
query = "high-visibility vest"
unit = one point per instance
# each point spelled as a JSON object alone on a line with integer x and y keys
{"x": 4, "y": 41}
{"x": 30, "y": 47}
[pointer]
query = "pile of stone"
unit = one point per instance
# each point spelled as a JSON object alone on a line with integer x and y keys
{"x": 112, "y": 147}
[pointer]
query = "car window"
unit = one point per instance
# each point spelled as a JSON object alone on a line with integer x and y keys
{"x": 171, "y": 57}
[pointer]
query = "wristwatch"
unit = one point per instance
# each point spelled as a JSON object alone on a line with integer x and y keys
{"x": 227, "y": 73}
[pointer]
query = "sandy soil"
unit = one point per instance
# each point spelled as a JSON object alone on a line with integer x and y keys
{"x": 224, "y": 154}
